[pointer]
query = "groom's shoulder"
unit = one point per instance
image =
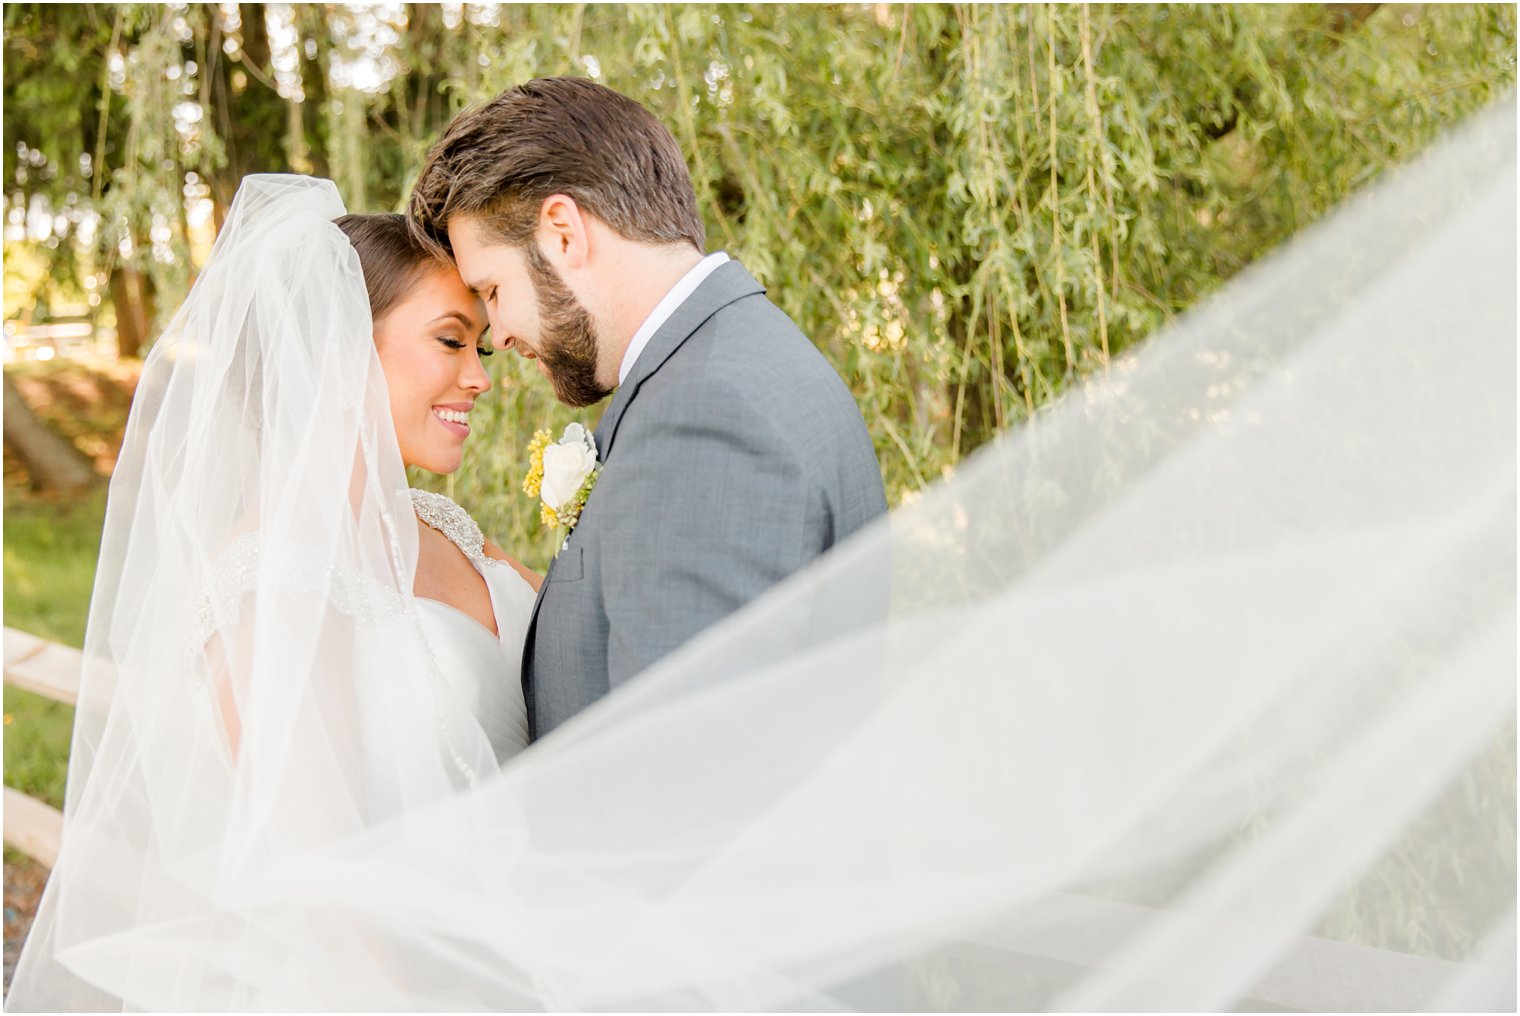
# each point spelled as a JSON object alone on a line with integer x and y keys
{"x": 752, "y": 349}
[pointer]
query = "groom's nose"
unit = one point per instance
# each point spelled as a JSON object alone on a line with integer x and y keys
{"x": 501, "y": 339}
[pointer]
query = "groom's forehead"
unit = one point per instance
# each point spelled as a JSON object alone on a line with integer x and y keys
{"x": 475, "y": 257}
{"x": 462, "y": 232}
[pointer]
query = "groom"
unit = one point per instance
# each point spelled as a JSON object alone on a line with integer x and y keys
{"x": 732, "y": 454}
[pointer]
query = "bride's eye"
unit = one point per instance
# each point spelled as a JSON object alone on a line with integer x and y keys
{"x": 451, "y": 343}
{"x": 484, "y": 351}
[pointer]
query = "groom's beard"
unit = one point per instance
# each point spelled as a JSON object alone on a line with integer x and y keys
{"x": 567, "y": 343}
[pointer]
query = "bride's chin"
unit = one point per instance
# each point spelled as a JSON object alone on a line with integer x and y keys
{"x": 439, "y": 465}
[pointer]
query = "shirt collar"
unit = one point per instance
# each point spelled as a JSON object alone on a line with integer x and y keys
{"x": 678, "y": 293}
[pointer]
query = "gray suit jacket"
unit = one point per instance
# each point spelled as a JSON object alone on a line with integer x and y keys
{"x": 731, "y": 456}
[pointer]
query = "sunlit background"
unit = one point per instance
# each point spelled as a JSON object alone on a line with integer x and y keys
{"x": 966, "y": 207}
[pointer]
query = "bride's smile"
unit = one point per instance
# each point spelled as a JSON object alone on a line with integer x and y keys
{"x": 455, "y": 417}
{"x": 431, "y": 344}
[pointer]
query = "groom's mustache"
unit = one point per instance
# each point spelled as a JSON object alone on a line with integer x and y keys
{"x": 527, "y": 353}
{"x": 510, "y": 344}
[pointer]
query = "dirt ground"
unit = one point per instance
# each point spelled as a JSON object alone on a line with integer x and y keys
{"x": 24, "y": 879}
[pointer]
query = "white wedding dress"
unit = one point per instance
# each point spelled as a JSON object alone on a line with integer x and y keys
{"x": 476, "y": 667}
{"x": 1195, "y": 693}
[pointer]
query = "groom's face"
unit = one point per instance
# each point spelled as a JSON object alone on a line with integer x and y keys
{"x": 532, "y": 311}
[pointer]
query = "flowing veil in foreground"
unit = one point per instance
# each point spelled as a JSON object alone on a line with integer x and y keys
{"x": 1197, "y": 692}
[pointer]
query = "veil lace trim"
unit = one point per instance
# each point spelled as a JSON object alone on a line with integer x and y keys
{"x": 246, "y": 565}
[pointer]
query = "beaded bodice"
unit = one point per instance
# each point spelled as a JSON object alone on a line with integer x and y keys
{"x": 441, "y": 513}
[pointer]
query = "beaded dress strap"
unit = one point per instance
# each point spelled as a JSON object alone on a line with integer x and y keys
{"x": 441, "y": 513}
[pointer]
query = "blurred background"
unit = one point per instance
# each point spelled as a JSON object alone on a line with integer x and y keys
{"x": 967, "y": 208}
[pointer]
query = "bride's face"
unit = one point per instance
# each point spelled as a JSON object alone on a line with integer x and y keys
{"x": 430, "y": 345}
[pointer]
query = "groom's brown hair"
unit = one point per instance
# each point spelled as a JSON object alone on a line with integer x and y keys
{"x": 499, "y": 161}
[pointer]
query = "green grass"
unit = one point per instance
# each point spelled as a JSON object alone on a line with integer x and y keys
{"x": 51, "y": 546}
{"x": 50, "y": 552}
{"x": 37, "y": 733}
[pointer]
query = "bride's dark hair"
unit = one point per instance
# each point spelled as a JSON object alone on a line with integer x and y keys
{"x": 392, "y": 258}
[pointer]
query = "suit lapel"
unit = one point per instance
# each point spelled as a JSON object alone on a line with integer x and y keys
{"x": 727, "y": 283}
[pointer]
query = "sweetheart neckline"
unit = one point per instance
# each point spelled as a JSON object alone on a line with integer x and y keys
{"x": 494, "y": 636}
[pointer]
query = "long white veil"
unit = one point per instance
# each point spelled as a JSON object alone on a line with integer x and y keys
{"x": 1198, "y": 692}
{"x": 255, "y": 683}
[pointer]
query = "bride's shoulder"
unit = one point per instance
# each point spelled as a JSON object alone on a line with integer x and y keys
{"x": 442, "y": 513}
{"x": 498, "y": 555}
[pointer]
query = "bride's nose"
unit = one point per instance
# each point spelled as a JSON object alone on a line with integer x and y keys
{"x": 474, "y": 378}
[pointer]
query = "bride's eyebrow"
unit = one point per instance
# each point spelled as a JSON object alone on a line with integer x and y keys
{"x": 454, "y": 315}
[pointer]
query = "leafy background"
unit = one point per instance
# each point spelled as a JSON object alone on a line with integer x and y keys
{"x": 966, "y": 207}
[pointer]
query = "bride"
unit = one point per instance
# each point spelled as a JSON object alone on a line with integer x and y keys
{"x": 473, "y": 600}
{"x": 287, "y": 644}
{"x": 1197, "y": 693}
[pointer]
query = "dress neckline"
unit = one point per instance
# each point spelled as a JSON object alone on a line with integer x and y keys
{"x": 493, "y": 636}
{"x": 440, "y": 512}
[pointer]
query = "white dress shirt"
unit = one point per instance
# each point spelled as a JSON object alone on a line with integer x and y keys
{"x": 666, "y": 307}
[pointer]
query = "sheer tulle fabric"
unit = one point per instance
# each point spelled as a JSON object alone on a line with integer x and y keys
{"x": 1203, "y": 680}
{"x": 255, "y": 682}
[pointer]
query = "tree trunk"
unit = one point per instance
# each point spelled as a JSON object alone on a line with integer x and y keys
{"x": 53, "y": 461}
{"x": 132, "y": 296}
{"x": 312, "y": 23}
{"x": 253, "y": 119}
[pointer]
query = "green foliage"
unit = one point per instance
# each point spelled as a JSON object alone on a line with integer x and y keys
{"x": 966, "y": 207}
{"x": 969, "y": 208}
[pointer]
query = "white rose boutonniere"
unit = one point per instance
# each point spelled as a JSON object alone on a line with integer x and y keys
{"x": 561, "y": 475}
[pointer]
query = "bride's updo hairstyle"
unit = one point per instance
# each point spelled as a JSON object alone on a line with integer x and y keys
{"x": 392, "y": 258}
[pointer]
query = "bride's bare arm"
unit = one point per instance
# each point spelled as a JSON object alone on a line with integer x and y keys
{"x": 533, "y": 578}
{"x": 225, "y": 698}
{"x": 228, "y": 651}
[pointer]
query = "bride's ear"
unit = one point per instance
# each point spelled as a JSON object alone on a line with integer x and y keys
{"x": 563, "y": 233}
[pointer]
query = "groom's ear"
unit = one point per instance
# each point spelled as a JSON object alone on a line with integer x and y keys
{"x": 564, "y": 233}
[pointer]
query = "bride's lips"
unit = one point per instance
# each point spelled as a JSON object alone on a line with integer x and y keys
{"x": 451, "y": 417}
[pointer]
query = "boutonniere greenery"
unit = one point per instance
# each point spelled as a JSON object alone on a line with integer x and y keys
{"x": 561, "y": 475}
